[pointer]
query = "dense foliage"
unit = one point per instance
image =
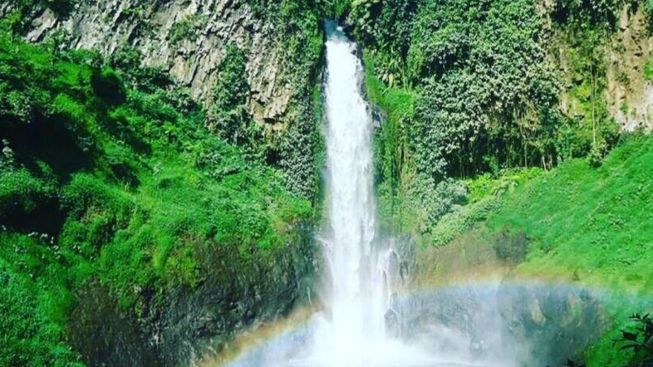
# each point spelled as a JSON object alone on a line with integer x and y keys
{"x": 231, "y": 116}
{"x": 606, "y": 208}
{"x": 598, "y": 12}
{"x": 474, "y": 87}
{"x": 488, "y": 91}
{"x": 639, "y": 338}
{"x": 110, "y": 176}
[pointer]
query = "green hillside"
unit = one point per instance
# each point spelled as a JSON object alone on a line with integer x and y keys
{"x": 111, "y": 178}
{"x": 589, "y": 225}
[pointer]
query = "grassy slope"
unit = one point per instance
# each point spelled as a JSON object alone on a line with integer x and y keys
{"x": 135, "y": 188}
{"x": 593, "y": 227}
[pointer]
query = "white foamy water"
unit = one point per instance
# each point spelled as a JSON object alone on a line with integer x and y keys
{"x": 352, "y": 331}
{"x": 354, "y": 294}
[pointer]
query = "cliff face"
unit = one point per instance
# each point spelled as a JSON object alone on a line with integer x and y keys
{"x": 281, "y": 42}
{"x": 186, "y": 38}
{"x": 629, "y": 95}
{"x": 624, "y": 54}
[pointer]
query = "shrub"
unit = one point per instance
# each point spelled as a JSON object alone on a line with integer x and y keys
{"x": 20, "y": 192}
{"x": 108, "y": 85}
{"x": 21, "y": 196}
{"x": 28, "y": 338}
{"x": 511, "y": 247}
{"x": 230, "y": 112}
{"x": 648, "y": 68}
{"x": 639, "y": 339}
{"x": 87, "y": 195}
{"x": 598, "y": 12}
{"x": 184, "y": 30}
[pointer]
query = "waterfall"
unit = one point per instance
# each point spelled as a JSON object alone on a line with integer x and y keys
{"x": 354, "y": 287}
{"x": 361, "y": 269}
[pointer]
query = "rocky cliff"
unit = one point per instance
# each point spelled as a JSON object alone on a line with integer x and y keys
{"x": 629, "y": 94}
{"x": 281, "y": 42}
{"x": 186, "y": 38}
{"x": 623, "y": 55}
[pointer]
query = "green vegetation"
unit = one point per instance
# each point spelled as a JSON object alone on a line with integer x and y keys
{"x": 470, "y": 88}
{"x": 639, "y": 338}
{"x": 648, "y": 70}
{"x": 497, "y": 129}
{"x": 109, "y": 176}
{"x": 186, "y": 29}
{"x": 485, "y": 92}
{"x": 598, "y": 12}
{"x": 230, "y": 112}
{"x": 467, "y": 88}
{"x": 592, "y": 227}
{"x": 574, "y": 224}
{"x": 298, "y": 31}
{"x": 494, "y": 120}
{"x": 607, "y": 211}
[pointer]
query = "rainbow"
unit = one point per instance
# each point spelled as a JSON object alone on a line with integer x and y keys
{"x": 290, "y": 334}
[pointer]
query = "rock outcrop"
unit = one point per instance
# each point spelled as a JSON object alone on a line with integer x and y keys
{"x": 627, "y": 51}
{"x": 192, "y": 322}
{"x": 188, "y": 38}
{"x": 628, "y": 93}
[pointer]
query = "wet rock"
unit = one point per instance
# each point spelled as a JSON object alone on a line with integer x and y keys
{"x": 555, "y": 322}
{"x": 173, "y": 327}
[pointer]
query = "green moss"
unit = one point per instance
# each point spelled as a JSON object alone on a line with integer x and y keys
{"x": 134, "y": 189}
{"x": 648, "y": 70}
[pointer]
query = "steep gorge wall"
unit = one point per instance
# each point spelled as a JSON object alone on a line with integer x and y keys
{"x": 281, "y": 43}
{"x": 629, "y": 94}
{"x": 192, "y": 55}
{"x": 624, "y": 53}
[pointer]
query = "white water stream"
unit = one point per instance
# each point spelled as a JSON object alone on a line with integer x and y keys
{"x": 358, "y": 289}
{"x": 355, "y": 286}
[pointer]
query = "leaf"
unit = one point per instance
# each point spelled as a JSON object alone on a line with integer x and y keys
{"x": 629, "y": 336}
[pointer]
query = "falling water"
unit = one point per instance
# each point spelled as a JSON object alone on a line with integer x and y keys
{"x": 354, "y": 293}
{"x": 359, "y": 278}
